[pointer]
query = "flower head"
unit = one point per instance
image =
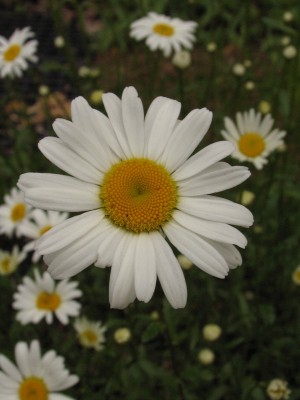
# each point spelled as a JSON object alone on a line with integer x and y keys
{"x": 40, "y": 223}
{"x": 295, "y": 275}
{"x": 90, "y": 333}
{"x": 164, "y": 33}
{"x": 41, "y": 298}
{"x": 35, "y": 377}
{"x": 278, "y": 390}
{"x": 13, "y": 213}
{"x": 122, "y": 335}
{"x": 206, "y": 356}
{"x": 134, "y": 184}
{"x": 9, "y": 262}
{"x": 16, "y": 51}
{"x": 212, "y": 332}
{"x": 253, "y": 137}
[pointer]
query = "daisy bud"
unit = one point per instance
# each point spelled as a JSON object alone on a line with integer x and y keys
{"x": 211, "y": 332}
{"x": 122, "y": 335}
{"x": 206, "y": 356}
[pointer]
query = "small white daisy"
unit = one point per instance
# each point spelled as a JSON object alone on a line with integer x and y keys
{"x": 41, "y": 222}
{"x": 164, "y": 33}
{"x": 16, "y": 51}
{"x": 90, "y": 333}
{"x": 34, "y": 377}
{"x": 13, "y": 213}
{"x": 253, "y": 137}
{"x": 41, "y": 298}
{"x": 9, "y": 262}
{"x": 136, "y": 186}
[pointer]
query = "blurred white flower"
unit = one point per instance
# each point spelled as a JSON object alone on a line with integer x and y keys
{"x": 211, "y": 332}
{"x": 253, "y": 137}
{"x": 288, "y": 16}
{"x": 122, "y": 335}
{"x": 206, "y": 356}
{"x": 184, "y": 262}
{"x": 289, "y": 52}
{"x": 285, "y": 40}
{"x": 35, "y": 377}
{"x": 84, "y": 71}
{"x": 44, "y": 90}
{"x": 211, "y": 47}
{"x": 182, "y": 59}
{"x": 278, "y": 390}
{"x": 13, "y": 213}
{"x": 16, "y": 51}
{"x": 59, "y": 42}
{"x": 90, "y": 333}
{"x": 164, "y": 33}
{"x": 238, "y": 69}
{"x": 264, "y": 107}
{"x": 40, "y": 298}
{"x": 9, "y": 262}
{"x": 247, "y": 197}
{"x": 249, "y": 85}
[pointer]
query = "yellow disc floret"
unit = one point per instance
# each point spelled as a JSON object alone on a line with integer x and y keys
{"x": 18, "y": 212}
{"x": 48, "y": 301}
{"x": 33, "y": 388}
{"x": 138, "y": 195}
{"x": 12, "y": 52}
{"x": 163, "y": 29}
{"x": 251, "y": 144}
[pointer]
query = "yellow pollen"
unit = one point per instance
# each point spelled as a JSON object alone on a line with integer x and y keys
{"x": 45, "y": 229}
{"x": 89, "y": 336}
{"x": 251, "y": 144}
{"x": 5, "y": 264}
{"x": 18, "y": 212}
{"x": 48, "y": 301}
{"x": 33, "y": 388}
{"x": 138, "y": 195}
{"x": 163, "y": 29}
{"x": 12, "y": 52}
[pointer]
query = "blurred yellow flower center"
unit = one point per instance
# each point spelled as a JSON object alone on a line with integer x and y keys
{"x": 138, "y": 195}
{"x": 33, "y": 388}
{"x": 5, "y": 264}
{"x": 251, "y": 144}
{"x": 163, "y": 29}
{"x": 18, "y": 212}
{"x": 12, "y": 52}
{"x": 48, "y": 301}
{"x": 45, "y": 229}
{"x": 89, "y": 337}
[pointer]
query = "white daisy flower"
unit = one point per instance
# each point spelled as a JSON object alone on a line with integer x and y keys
{"x": 90, "y": 333}
{"x": 135, "y": 186}
{"x": 13, "y": 213}
{"x": 9, "y": 262}
{"x": 16, "y": 51}
{"x": 35, "y": 377}
{"x": 253, "y": 137}
{"x": 164, "y": 33}
{"x": 41, "y": 298}
{"x": 42, "y": 222}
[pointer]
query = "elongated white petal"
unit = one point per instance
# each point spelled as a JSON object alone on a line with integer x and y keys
{"x": 169, "y": 272}
{"x": 108, "y": 241}
{"x": 185, "y": 138}
{"x": 216, "y": 209}
{"x": 199, "y": 251}
{"x": 10, "y": 369}
{"x": 65, "y": 158}
{"x": 203, "y": 159}
{"x": 231, "y": 255}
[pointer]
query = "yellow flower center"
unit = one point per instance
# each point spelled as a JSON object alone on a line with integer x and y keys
{"x": 138, "y": 195}
{"x": 33, "y": 388}
{"x": 251, "y": 144}
{"x": 48, "y": 301}
{"x": 89, "y": 337}
{"x": 296, "y": 276}
{"x": 18, "y": 212}
{"x": 45, "y": 229}
{"x": 5, "y": 265}
{"x": 12, "y": 52}
{"x": 163, "y": 29}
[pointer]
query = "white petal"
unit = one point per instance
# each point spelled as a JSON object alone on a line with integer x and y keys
{"x": 202, "y": 254}
{"x": 169, "y": 272}
{"x": 186, "y": 137}
{"x": 108, "y": 242}
{"x": 144, "y": 268}
{"x": 9, "y": 368}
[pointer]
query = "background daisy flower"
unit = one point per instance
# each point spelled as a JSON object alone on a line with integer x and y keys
{"x": 13, "y": 213}
{"x": 16, "y": 51}
{"x": 9, "y": 262}
{"x": 253, "y": 137}
{"x": 90, "y": 333}
{"x": 134, "y": 182}
{"x": 40, "y": 222}
{"x": 164, "y": 33}
{"x": 41, "y": 298}
{"x": 35, "y": 376}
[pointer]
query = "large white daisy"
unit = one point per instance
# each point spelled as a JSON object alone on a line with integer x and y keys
{"x": 253, "y": 137}
{"x": 13, "y": 213}
{"x": 136, "y": 188}
{"x": 16, "y": 51}
{"x": 40, "y": 223}
{"x": 164, "y": 33}
{"x": 42, "y": 298}
{"x": 35, "y": 377}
